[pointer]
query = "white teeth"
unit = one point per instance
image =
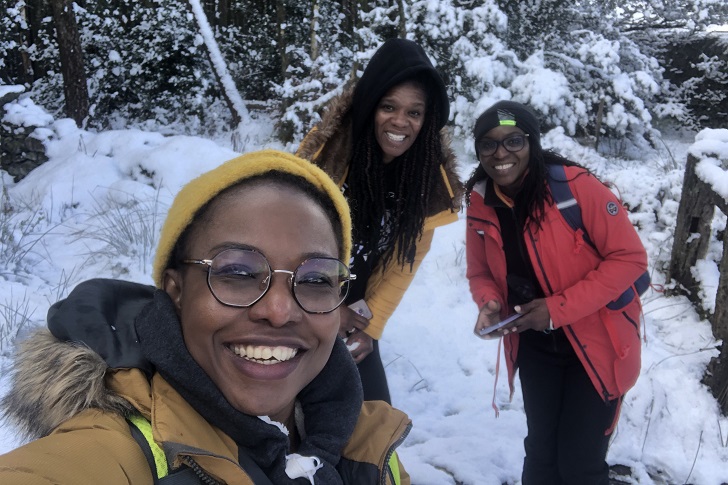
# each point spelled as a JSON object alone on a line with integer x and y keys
{"x": 394, "y": 137}
{"x": 505, "y": 166}
{"x": 263, "y": 354}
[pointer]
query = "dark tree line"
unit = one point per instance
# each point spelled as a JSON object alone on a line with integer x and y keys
{"x": 143, "y": 61}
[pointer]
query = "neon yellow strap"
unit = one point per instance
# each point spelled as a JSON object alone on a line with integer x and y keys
{"x": 508, "y": 122}
{"x": 145, "y": 427}
{"x": 394, "y": 468}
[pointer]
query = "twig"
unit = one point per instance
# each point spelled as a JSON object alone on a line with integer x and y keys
{"x": 422, "y": 379}
{"x": 723, "y": 442}
{"x": 649, "y": 420}
{"x": 700, "y": 440}
{"x": 704, "y": 349}
{"x": 668, "y": 306}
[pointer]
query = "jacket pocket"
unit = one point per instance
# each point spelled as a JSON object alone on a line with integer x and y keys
{"x": 623, "y": 328}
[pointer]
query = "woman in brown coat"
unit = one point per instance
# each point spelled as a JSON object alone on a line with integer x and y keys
{"x": 232, "y": 371}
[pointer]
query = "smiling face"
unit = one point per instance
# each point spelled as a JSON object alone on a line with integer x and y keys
{"x": 504, "y": 167}
{"x": 262, "y": 356}
{"x": 398, "y": 119}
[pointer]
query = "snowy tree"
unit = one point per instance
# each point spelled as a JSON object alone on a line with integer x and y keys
{"x": 341, "y": 38}
{"x": 599, "y": 69}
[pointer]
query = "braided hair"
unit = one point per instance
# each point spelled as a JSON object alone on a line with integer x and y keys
{"x": 416, "y": 173}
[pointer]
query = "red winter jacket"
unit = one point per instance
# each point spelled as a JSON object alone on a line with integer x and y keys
{"x": 578, "y": 280}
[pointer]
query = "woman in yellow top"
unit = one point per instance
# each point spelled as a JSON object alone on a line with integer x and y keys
{"x": 383, "y": 142}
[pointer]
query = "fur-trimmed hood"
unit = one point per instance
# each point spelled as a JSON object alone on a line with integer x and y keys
{"x": 52, "y": 381}
{"x": 56, "y": 376}
{"x": 329, "y": 145}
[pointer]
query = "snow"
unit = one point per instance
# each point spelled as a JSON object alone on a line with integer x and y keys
{"x": 711, "y": 148}
{"x": 7, "y": 89}
{"x": 439, "y": 373}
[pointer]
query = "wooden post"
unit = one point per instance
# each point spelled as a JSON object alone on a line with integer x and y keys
{"x": 720, "y": 316}
{"x": 692, "y": 237}
{"x": 692, "y": 231}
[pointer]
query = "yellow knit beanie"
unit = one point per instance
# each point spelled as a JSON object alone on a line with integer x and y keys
{"x": 207, "y": 186}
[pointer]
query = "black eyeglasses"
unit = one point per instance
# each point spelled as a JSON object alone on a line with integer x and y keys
{"x": 513, "y": 143}
{"x": 241, "y": 277}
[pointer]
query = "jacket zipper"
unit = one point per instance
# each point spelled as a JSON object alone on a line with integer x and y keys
{"x": 204, "y": 477}
{"x": 387, "y": 472}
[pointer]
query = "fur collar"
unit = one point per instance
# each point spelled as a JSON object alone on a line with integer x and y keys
{"x": 52, "y": 381}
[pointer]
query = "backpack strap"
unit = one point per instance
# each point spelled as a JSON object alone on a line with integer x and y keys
{"x": 141, "y": 431}
{"x": 393, "y": 465}
{"x": 565, "y": 201}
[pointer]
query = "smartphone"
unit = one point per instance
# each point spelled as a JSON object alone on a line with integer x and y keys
{"x": 501, "y": 324}
{"x": 361, "y": 307}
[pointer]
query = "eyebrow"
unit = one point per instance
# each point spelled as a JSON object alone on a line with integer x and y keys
{"x": 234, "y": 245}
{"x": 390, "y": 99}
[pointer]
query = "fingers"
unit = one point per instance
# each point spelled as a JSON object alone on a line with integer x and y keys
{"x": 493, "y": 306}
{"x": 360, "y": 322}
{"x": 350, "y": 321}
{"x": 536, "y": 315}
{"x": 489, "y": 315}
{"x": 360, "y": 345}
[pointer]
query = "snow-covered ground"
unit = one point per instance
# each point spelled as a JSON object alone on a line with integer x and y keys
{"x": 102, "y": 187}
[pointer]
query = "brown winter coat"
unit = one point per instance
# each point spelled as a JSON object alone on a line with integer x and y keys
{"x": 74, "y": 407}
{"x": 329, "y": 145}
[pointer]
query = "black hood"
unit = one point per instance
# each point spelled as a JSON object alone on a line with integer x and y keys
{"x": 396, "y": 61}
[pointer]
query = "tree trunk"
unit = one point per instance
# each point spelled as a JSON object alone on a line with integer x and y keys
{"x": 223, "y": 11}
{"x": 401, "y": 24}
{"x": 598, "y": 128}
{"x": 281, "y": 37}
{"x": 24, "y": 39}
{"x": 314, "y": 27}
{"x": 229, "y": 90}
{"x": 74, "y": 75}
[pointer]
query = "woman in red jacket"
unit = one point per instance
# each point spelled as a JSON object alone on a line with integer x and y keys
{"x": 577, "y": 353}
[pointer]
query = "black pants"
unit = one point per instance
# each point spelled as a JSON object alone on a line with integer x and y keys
{"x": 373, "y": 378}
{"x": 566, "y": 416}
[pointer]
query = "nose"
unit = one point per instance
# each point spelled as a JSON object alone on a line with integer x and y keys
{"x": 399, "y": 118}
{"x": 277, "y": 307}
{"x": 501, "y": 151}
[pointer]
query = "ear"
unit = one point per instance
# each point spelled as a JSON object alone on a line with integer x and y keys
{"x": 172, "y": 283}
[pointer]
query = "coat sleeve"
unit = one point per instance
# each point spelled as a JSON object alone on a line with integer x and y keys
{"x": 100, "y": 451}
{"x": 623, "y": 257}
{"x": 483, "y": 286}
{"x": 387, "y": 286}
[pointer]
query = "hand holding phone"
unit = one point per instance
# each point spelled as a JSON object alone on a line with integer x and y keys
{"x": 486, "y": 330}
{"x": 360, "y": 307}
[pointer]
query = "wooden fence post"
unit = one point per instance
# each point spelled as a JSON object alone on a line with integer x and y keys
{"x": 692, "y": 231}
{"x": 692, "y": 238}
